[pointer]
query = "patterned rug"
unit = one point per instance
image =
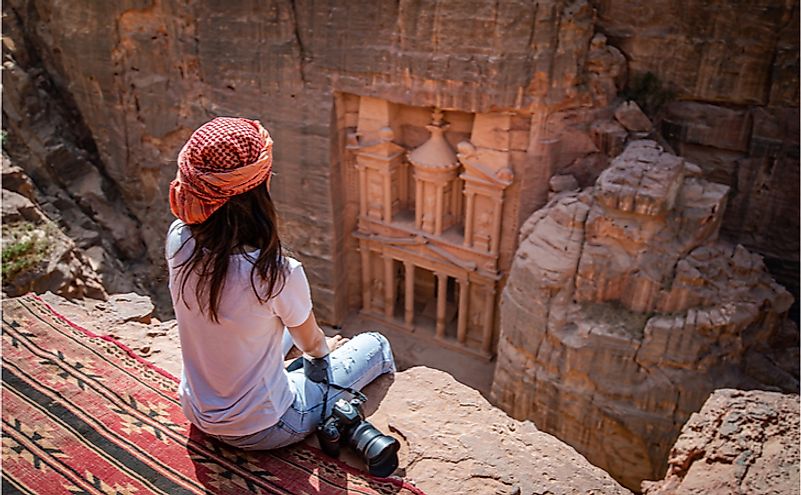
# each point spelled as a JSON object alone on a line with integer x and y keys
{"x": 82, "y": 414}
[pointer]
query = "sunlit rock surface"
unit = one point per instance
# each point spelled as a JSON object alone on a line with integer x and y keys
{"x": 740, "y": 442}
{"x": 622, "y": 313}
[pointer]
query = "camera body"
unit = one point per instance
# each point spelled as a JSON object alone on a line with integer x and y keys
{"x": 346, "y": 424}
{"x": 333, "y": 431}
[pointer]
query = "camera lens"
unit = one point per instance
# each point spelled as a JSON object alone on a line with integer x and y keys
{"x": 380, "y": 452}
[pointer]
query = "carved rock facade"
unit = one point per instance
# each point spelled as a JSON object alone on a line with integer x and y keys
{"x": 434, "y": 222}
{"x": 622, "y": 312}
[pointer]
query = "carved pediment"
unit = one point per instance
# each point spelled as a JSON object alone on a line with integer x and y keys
{"x": 483, "y": 165}
{"x": 384, "y": 148}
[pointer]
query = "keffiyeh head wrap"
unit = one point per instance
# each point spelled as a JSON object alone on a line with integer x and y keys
{"x": 223, "y": 158}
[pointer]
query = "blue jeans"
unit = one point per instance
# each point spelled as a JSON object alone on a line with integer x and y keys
{"x": 355, "y": 364}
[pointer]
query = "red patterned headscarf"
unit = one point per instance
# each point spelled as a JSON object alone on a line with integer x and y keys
{"x": 223, "y": 158}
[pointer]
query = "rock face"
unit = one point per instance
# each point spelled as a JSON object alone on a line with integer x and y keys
{"x": 755, "y": 152}
{"x": 290, "y": 64}
{"x": 475, "y": 448}
{"x": 740, "y": 126}
{"x": 52, "y": 157}
{"x": 622, "y": 313}
{"x": 692, "y": 47}
{"x": 128, "y": 318}
{"x": 740, "y": 442}
{"x": 286, "y": 65}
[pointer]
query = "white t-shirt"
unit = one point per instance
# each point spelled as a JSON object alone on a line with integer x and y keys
{"x": 233, "y": 380}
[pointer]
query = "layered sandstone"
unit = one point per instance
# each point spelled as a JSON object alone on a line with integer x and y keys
{"x": 622, "y": 312}
{"x": 290, "y": 64}
{"x": 739, "y": 442}
{"x": 732, "y": 69}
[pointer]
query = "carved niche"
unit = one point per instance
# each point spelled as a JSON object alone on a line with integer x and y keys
{"x": 437, "y": 190}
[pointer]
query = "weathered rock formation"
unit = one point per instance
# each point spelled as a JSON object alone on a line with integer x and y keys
{"x": 733, "y": 70}
{"x": 475, "y": 448}
{"x": 622, "y": 313}
{"x": 740, "y": 442}
{"x": 37, "y": 255}
{"x": 55, "y": 161}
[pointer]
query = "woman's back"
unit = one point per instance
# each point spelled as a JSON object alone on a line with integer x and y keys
{"x": 233, "y": 382}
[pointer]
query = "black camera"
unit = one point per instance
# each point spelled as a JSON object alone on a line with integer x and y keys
{"x": 346, "y": 424}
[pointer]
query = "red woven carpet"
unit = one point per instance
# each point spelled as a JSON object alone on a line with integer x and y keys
{"x": 82, "y": 415}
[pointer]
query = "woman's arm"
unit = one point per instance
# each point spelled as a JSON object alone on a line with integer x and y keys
{"x": 309, "y": 338}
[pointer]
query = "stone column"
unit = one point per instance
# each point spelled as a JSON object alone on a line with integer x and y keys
{"x": 489, "y": 305}
{"x": 389, "y": 287}
{"x": 442, "y": 299}
{"x": 362, "y": 190}
{"x": 388, "y": 197}
{"x": 364, "y": 247}
{"x": 438, "y": 209}
{"x": 496, "y": 227}
{"x": 418, "y": 203}
{"x": 461, "y": 323}
{"x": 468, "y": 218}
{"x": 409, "y": 296}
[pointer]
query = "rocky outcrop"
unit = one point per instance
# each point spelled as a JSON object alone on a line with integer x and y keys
{"x": 755, "y": 152}
{"x": 37, "y": 255}
{"x": 475, "y": 448}
{"x": 740, "y": 442}
{"x": 48, "y": 151}
{"x": 622, "y": 312}
{"x": 128, "y": 318}
{"x": 740, "y": 126}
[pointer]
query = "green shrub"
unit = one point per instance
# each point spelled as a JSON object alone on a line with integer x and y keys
{"x": 24, "y": 247}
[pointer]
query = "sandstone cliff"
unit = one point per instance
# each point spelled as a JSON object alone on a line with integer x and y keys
{"x": 728, "y": 75}
{"x": 622, "y": 312}
{"x": 739, "y": 442}
{"x": 127, "y": 111}
{"x": 284, "y": 64}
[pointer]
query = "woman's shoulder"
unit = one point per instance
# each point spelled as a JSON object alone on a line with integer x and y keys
{"x": 292, "y": 268}
{"x": 290, "y": 263}
{"x": 177, "y": 236}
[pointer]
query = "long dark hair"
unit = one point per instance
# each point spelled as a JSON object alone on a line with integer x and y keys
{"x": 245, "y": 220}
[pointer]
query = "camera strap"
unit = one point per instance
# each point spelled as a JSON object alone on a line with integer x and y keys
{"x": 329, "y": 386}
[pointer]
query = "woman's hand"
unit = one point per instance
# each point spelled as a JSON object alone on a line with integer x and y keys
{"x": 310, "y": 339}
{"x": 335, "y": 342}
